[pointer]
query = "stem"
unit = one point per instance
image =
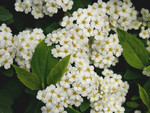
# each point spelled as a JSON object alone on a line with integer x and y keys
{"x": 43, "y": 84}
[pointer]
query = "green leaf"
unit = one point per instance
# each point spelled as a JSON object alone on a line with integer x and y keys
{"x": 128, "y": 110}
{"x": 14, "y": 88}
{"x": 8, "y": 94}
{"x": 147, "y": 86}
{"x": 131, "y": 74}
{"x": 28, "y": 79}
{"x": 71, "y": 110}
{"x": 19, "y": 22}
{"x": 135, "y": 98}
{"x": 6, "y": 101}
{"x": 131, "y": 56}
{"x": 84, "y": 105}
{"x": 34, "y": 106}
{"x": 58, "y": 71}
{"x": 132, "y": 104}
{"x": 4, "y": 14}
{"x": 144, "y": 96}
{"x": 133, "y": 50}
{"x": 5, "y": 97}
{"x": 7, "y": 72}
{"x": 51, "y": 27}
{"x": 43, "y": 61}
{"x": 31, "y": 92}
{"x": 148, "y": 68}
{"x": 10, "y": 21}
{"x": 5, "y": 108}
{"x": 86, "y": 2}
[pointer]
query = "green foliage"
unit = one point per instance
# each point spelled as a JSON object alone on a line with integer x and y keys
{"x": 135, "y": 98}
{"x": 4, "y": 108}
{"x": 131, "y": 74}
{"x": 58, "y": 71}
{"x": 7, "y": 72}
{"x": 144, "y": 96}
{"x": 51, "y": 27}
{"x": 134, "y": 51}
{"x": 42, "y": 70}
{"x": 5, "y": 98}
{"x": 148, "y": 68}
{"x": 127, "y": 110}
{"x": 8, "y": 94}
{"x": 5, "y": 15}
{"x": 28, "y": 79}
{"x": 34, "y": 106}
{"x": 147, "y": 86}
{"x": 30, "y": 92}
{"x": 14, "y": 88}
{"x": 84, "y": 105}
{"x": 71, "y": 110}
{"x": 43, "y": 61}
{"x": 132, "y": 104}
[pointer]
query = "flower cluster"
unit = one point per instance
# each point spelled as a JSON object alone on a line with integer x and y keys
{"x": 7, "y": 49}
{"x": 26, "y": 41}
{"x": 87, "y": 35}
{"x": 39, "y": 8}
{"x": 145, "y": 27}
{"x": 146, "y": 72}
{"x": 122, "y": 14}
{"x": 80, "y": 81}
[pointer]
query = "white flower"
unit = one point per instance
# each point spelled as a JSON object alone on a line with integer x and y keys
{"x": 137, "y": 111}
{"x": 94, "y": 96}
{"x": 136, "y": 25}
{"x": 25, "y": 43}
{"x": 144, "y": 34}
{"x": 145, "y": 72}
{"x": 67, "y": 6}
{"x": 37, "y": 13}
{"x": 58, "y": 108}
{"x": 144, "y": 13}
{"x": 86, "y": 35}
{"x": 77, "y": 102}
{"x": 7, "y": 47}
{"x": 65, "y": 82}
{"x": 40, "y": 95}
{"x": 27, "y": 7}
{"x": 107, "y": 72}
{"x": 18, "y": 6}
{"x": 39, "y": 8}
{"x": 46, "y": 110}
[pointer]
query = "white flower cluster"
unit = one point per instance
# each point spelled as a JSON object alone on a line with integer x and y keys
{"x": 7, "y": 49}
{"x": 146, "y": 72}
{"x": 87, "y": 35}
{"x": 122, "y": 14}
{"x": 39, "y": 8}
{"x": 26, "y": 41}
{"x": 145, "y": 27}
{"x": 106, "y": 95}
